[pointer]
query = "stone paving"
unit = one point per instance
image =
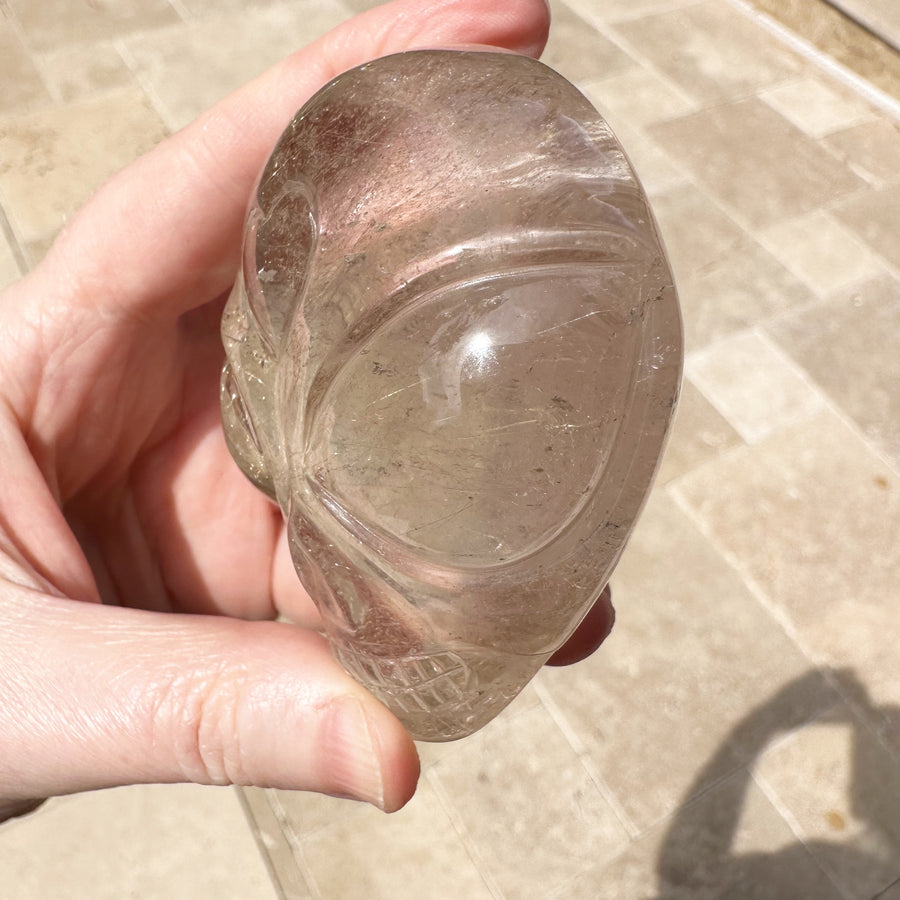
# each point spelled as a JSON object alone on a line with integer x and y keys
{"x": 739, "y": 735}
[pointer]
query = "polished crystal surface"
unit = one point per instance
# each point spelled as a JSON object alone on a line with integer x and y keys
{"x": 453, "y": 353}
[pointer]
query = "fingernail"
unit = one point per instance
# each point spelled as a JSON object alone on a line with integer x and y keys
{"x": 351, "y": 754}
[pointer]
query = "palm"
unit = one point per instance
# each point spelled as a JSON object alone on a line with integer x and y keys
{"x": 167, "y": 519}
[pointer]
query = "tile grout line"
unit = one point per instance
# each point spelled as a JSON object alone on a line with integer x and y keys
{"x": 753, "y": 439}
{"x": 822, "y": 665}
{"x": 121, "y": 47}
{"x": 584, "y": 758}
{"x": 867, "y": 114}
{"x": 8, "y": 232}
{"x": 644, "y": 130}
{"x": 661, "y": 7}
{"x": 796, "y": 829}
{"x": 296, "y": 847}
{"x": 821, "y": 59}
{"x": 33, "y": 55}
{"x": 609, "y": 31}
{"x": 772, "y": 246}
{"x": 827, "y": 402}
{"x": 780, "y": 617}
{"x": 260, "y": 843}
{"x": 459, "y": 826}
{"x": 183, "y": 12}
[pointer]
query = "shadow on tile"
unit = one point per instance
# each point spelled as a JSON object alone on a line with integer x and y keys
{"x": 809, "y": 815}
{"x": 849, "y": 835}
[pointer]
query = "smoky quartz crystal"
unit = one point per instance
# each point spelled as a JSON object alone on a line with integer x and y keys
{"x": 453, "y": 353}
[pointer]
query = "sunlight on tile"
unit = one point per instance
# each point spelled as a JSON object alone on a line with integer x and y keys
{"x": 811, "y": 516}
{"x": 172, "y": 841}
{"x": 56, "y": 23}
{"x": 708, "y": 51}
{"x": 820, "y": 251}
{"x": 848, "y": 345}
{"x": 738, "y": 735}
{"x": 816, "y": 107}
{"x": 752, "y": 384}
{"x": 51, "y": 161}
{"x": 84, "y": 70}
{"x": 495, "y": 778}
{"x": 188, "y": 68}
{"x": 369, "y": 856}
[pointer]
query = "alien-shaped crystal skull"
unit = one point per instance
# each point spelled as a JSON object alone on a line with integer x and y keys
{"x": 453, "y": 355}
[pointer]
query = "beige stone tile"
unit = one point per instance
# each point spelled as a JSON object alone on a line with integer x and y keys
{"x": 875, "y": 217}
{"x": 82, "y": 70}
{"x": 753, "y": 385}
{"x": 36, "y": 249}
{"x": 842, "y": 789}
{"x": 699, "y": 434}
{"x": 275, "y": 845}
{"x": 816, "y": 106}
{"x": 615, "y": 10}
{"x": 756, "y": 162}
{"x": 306, "y": 813}
{"x": 575, "y": 49}
{"x": 730, "y": 843}
{"x": 520, "y": 771}
{"x": 358, "y": 6}
{"x": 23, "y": 88}
{"x": 50, "y": 24}
{"x": 710, "y": 50}
{"x": 9, "y": 267}
{"x": 695, "y": 230}
{"x": 849, "y": 345}
{"x": 189, "y": 68}
{"x": 821, "y": 252}
{"x": 215, "y": 8}
{"x": 812, "y": 517}
{"x": 51, "y": 161}
{"x": 416, "y": 852}
{"x": 637, "y": 97}
{"x": 654, "y": 167}
{"x": 726, "y": 281}
{"x": 692, "y": 652}
{"x": 172, "y": 841}
{"x": 872, "y": 148}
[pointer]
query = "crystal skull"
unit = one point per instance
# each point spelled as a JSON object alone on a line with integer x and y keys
{"x": 453, "y": 353}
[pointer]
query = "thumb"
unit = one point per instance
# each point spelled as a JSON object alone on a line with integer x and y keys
{"x": 97, "y": 696}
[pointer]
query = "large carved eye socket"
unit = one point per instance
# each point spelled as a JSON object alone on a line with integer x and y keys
{"x": 475, "y": 425}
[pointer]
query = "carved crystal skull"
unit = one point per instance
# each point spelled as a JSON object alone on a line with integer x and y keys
{"x": 453, "y": 353}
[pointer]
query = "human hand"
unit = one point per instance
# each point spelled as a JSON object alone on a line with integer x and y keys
{"x": 134, "y": 556}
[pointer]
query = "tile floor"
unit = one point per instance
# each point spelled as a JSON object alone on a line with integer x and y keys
{"x": 739, "y": 736}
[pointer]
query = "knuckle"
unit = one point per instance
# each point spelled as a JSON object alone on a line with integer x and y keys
{"x": 197, "y": 715}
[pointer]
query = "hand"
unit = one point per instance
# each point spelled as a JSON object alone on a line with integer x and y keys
{"x": 133, "y": 553}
